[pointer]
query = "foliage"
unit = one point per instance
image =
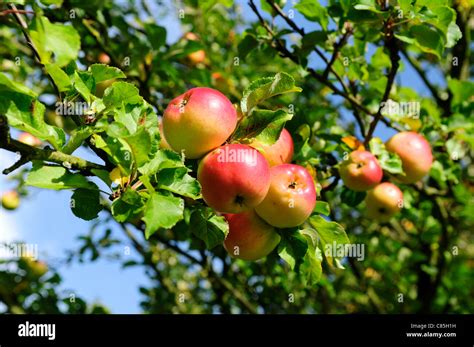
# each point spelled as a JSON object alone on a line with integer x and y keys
{"x": 269, "y": 72}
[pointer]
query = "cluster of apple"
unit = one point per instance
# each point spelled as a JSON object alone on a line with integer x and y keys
{"x": 361, "y": 171}
{"x": 252, "y": 185}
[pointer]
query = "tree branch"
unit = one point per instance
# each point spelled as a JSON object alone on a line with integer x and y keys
{"x": 391, "y": 44}
{"x": 29, "y": 153}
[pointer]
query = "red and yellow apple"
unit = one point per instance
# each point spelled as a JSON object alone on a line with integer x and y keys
{"x": 234, "y": 178}
{"x": 11, "y": 200}
{"x": 103, "y": 58}
{"x": 361, "y": 171}
{"x": 384, "y": 201}
{"x": 163, "y": 143}
{"x": 280, "y": 152}
{"x": 198, "y": 121}
{"x": 250, "y": 237}
{"x": 29, "y": 139}
{"x": 198, "y": 56}
{"x": 415, "y": 153}
{"x": 291, "y": 197}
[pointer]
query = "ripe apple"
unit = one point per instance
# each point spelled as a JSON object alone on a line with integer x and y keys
{"x": 280, "y": 152}
{"x": 415, "y": 153}
{"x": 104, "y": 58}
{"x": 250, "y": 237}
{"x": 11, "y": 200}
{"x": 234, "y": 178}
{"x": 384, "y": 201}
{"x": 199, "y": 121}
{"x": 291, "y": 197}
{"x": 196, "y": 57}
{"x": 163, "y": 143}
{"x": 29, "y": 139}
{"x": 361, "y": 171}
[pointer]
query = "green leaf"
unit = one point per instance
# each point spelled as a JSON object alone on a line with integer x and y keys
{"x": 117, "y": 149}
{"x": 330, "y": 234}
{"x": 55, "y": 177}
{"x": 265, "y": 88}
{"x": 177, "y": 180}
{"x": 77, "y": 137}
{"x": 292, "y": 248}
{"x": 128, "y": 206}
{"x": 208, "y": 227}
{"x": 322, "y": 207}
{"x": 247, "y": 45}
{"x": 52, "y": 2}
{"x": 425, "y": 37}
{"x": 265, "y": 125}
{"x": 156, "y": 35}
{"x": 6, "y": 84}
{"x": 56, "y": 39}
{"x": 388, "y": 161}
{"x": 85, "y": 203}
{"x": 313, "y": 11}
{"x": 26, "y": 113}
{"x": 312, "y": 264}
{"x": 162, "y": 211}
{"x": 122, "y": 93}
{"x": 102, "y": 72}
{"x": 462, "y": 92}
{"x": 163, "y": 159}
{"x": 60, "y": 78}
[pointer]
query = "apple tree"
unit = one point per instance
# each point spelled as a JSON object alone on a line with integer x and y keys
{"x": 390, "y": 228}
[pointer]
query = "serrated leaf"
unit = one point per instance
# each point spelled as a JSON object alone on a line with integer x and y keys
{"x": 163, "y": 159}
{"x": 60, "y": 78}
{"x": 102, "y": 72}
{"x": 128, "y": 206}
{"x": 55, "y": 177}
{"x": 312, "y": 265}
{"x": 322, "y": 207}
{"x": 58, "y": 38}
{"x": 265, "y": 88}
{"x": 85, "y": 203}
{"x": 292, "y": 248}
{"x": 178, "y": 181}
{"x": 162, "y": 211}
{"x": 26, "y": 113}
{"x": 122, "y": 93}
{"x": 265, "y": 125}
{"x": 388, "y": 161}
{"x": 209, "y": 227}
{"x": 330, "y": 234}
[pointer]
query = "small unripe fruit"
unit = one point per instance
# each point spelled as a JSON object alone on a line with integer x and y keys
{"x": 196, "y": 57}
{"x": 249, "y": 238}
{"x": 104, "y": 58}
{"x": 11, "y": 200}
{"x": 415, "y": 153}
{"x": 384, "y": 201}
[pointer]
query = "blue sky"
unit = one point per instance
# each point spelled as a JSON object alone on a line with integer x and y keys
{"x": 46, "y": 219}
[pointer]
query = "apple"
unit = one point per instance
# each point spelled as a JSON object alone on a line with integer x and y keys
{"x": 29, "y": 139}
{"x": 361, "y": 171}
{"x": 198, "y": 121}
{"x": 11, "y": 200}
{"x": 234, "y": 178}
{"x": 195, "y": 57}
{"x": 415, "y": 153}
{"x": 291, "y": 197}
{"x": 36, "y": 267}
{"x": 250, "y": 237}
{"x": 384, "y": 201}
{"x": 278, "y": 153}
{"x": 163, "y": 143}
{"x": 103, "y": 58}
